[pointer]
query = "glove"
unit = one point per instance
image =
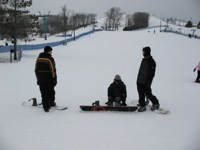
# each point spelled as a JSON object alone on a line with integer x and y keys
{"x": 194, "y": 70}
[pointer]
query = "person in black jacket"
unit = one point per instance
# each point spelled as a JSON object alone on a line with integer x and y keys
{"x": 45, "y": 71}
{"x": 117, "y": 92}
{"x": 144, "y": 80}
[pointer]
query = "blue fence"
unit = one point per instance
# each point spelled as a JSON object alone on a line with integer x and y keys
{"x": 181, "y": 33}
{"x": 4, "y": 49}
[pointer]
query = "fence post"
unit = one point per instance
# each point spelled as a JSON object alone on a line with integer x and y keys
{"x": 11, "y": 51}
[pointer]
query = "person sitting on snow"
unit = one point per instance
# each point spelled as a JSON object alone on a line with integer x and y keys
{"x": 117, "y": 92}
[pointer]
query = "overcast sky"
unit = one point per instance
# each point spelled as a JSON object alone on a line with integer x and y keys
{"x": 181, "y": 9}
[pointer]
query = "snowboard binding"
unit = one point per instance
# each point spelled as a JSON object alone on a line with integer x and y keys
{"x": 34, "y": 101}
{"x": 96, "y": 103}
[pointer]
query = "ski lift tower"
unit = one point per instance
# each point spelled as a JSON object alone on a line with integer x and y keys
{"x": 44, "y": 23}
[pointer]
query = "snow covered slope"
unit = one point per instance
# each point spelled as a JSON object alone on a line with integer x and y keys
{"x": 85, "y": 68}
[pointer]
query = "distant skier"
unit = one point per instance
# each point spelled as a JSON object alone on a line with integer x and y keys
{"x": 198, "y": 72}
{"x": 45, "y": 71}
{"x": 117, "y": 92}
{"x": 144, "y": 80}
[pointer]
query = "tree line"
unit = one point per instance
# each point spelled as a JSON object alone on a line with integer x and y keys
{"x": 114, "y": 16}
{"x": 136, "y": 21}
{"x": 16, "y": 22}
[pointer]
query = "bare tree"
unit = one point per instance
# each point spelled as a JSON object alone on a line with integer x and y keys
{"x": 91, "y": 18}
{"x": 78, "y": 20}
{"x": 129, "y": 20}
{"x": 113, "y": 18}
{"x": 74, "y": 23}
{"x": 141, "y": 19}
{"x": 136, "y": 21}
{"x": 65, "y": 18}
{"x": 54, "y": 24}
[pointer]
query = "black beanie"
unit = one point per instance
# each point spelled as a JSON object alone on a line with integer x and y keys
{"x": 47, "y": 49}
{"x": 147, "y": 50}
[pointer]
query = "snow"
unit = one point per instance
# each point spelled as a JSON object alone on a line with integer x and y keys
{"x": 85, "y": 68}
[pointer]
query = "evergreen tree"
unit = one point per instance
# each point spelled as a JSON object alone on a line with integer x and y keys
{"x": 189, "y": 24}
{"x": 16, "y": 22}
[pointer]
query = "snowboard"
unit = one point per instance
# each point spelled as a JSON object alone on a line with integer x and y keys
{"x": 161, "y": 110}
{"x": 96, "y": 107}
{"x": 34, "y": 104}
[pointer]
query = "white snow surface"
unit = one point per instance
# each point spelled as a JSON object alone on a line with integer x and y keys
{"x": 85, "y": 69}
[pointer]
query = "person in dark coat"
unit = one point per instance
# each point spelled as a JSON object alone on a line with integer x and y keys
{"x": 45, "y": 71}
{"x": 117, "y": 92}
{"x": 144, "y": 80}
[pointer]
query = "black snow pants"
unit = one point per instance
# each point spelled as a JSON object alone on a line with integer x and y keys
{"x": 145, "y": 90}
{"x": 198, "y": 76}
{"x": 47, "y": 94}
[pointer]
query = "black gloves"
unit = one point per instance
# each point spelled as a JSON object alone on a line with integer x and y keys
{"x": 194, "y": 70}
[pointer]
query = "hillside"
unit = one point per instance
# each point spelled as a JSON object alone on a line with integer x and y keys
{"x": 85, "y": 69}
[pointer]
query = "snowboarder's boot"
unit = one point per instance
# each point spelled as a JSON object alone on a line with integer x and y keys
{"x": 155, "y": 106}
{"x": 142, "y": 108}
{"x": 53, "y": 104}
{"x": 123, "y": 104}
{"x": 46, "y": 110}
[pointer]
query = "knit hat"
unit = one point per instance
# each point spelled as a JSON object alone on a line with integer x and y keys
{"x": 47, "y": 49}
{"x": 117, "y": 77}
{"x": 147, "y": 50}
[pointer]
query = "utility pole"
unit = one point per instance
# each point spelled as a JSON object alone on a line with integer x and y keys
{"x": 44, "y": 24}
{"x": 15, "y": 30}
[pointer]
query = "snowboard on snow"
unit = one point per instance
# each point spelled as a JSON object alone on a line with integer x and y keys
{"x": 158, "y": 111}
{"x": 161, "y": 110}
{"x": 34, "y": 104}
{"x": 96, "y": 107}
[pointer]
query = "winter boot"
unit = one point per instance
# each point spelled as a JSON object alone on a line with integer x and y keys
{"x": 110, "y": 101}
{"x": 142, "y": 108}
{"x": 110, "y": 104}
{"x": 155, "y": 106}
{"x": 46, "y": 110}
{"x": 53, "y": 104}
{"x": 124, "y": 104}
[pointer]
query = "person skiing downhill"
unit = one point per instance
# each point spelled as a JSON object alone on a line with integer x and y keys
{"x": 198, "y": 72}
{"x": 45, "y": 71}
{"x": 144, "y": 80}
